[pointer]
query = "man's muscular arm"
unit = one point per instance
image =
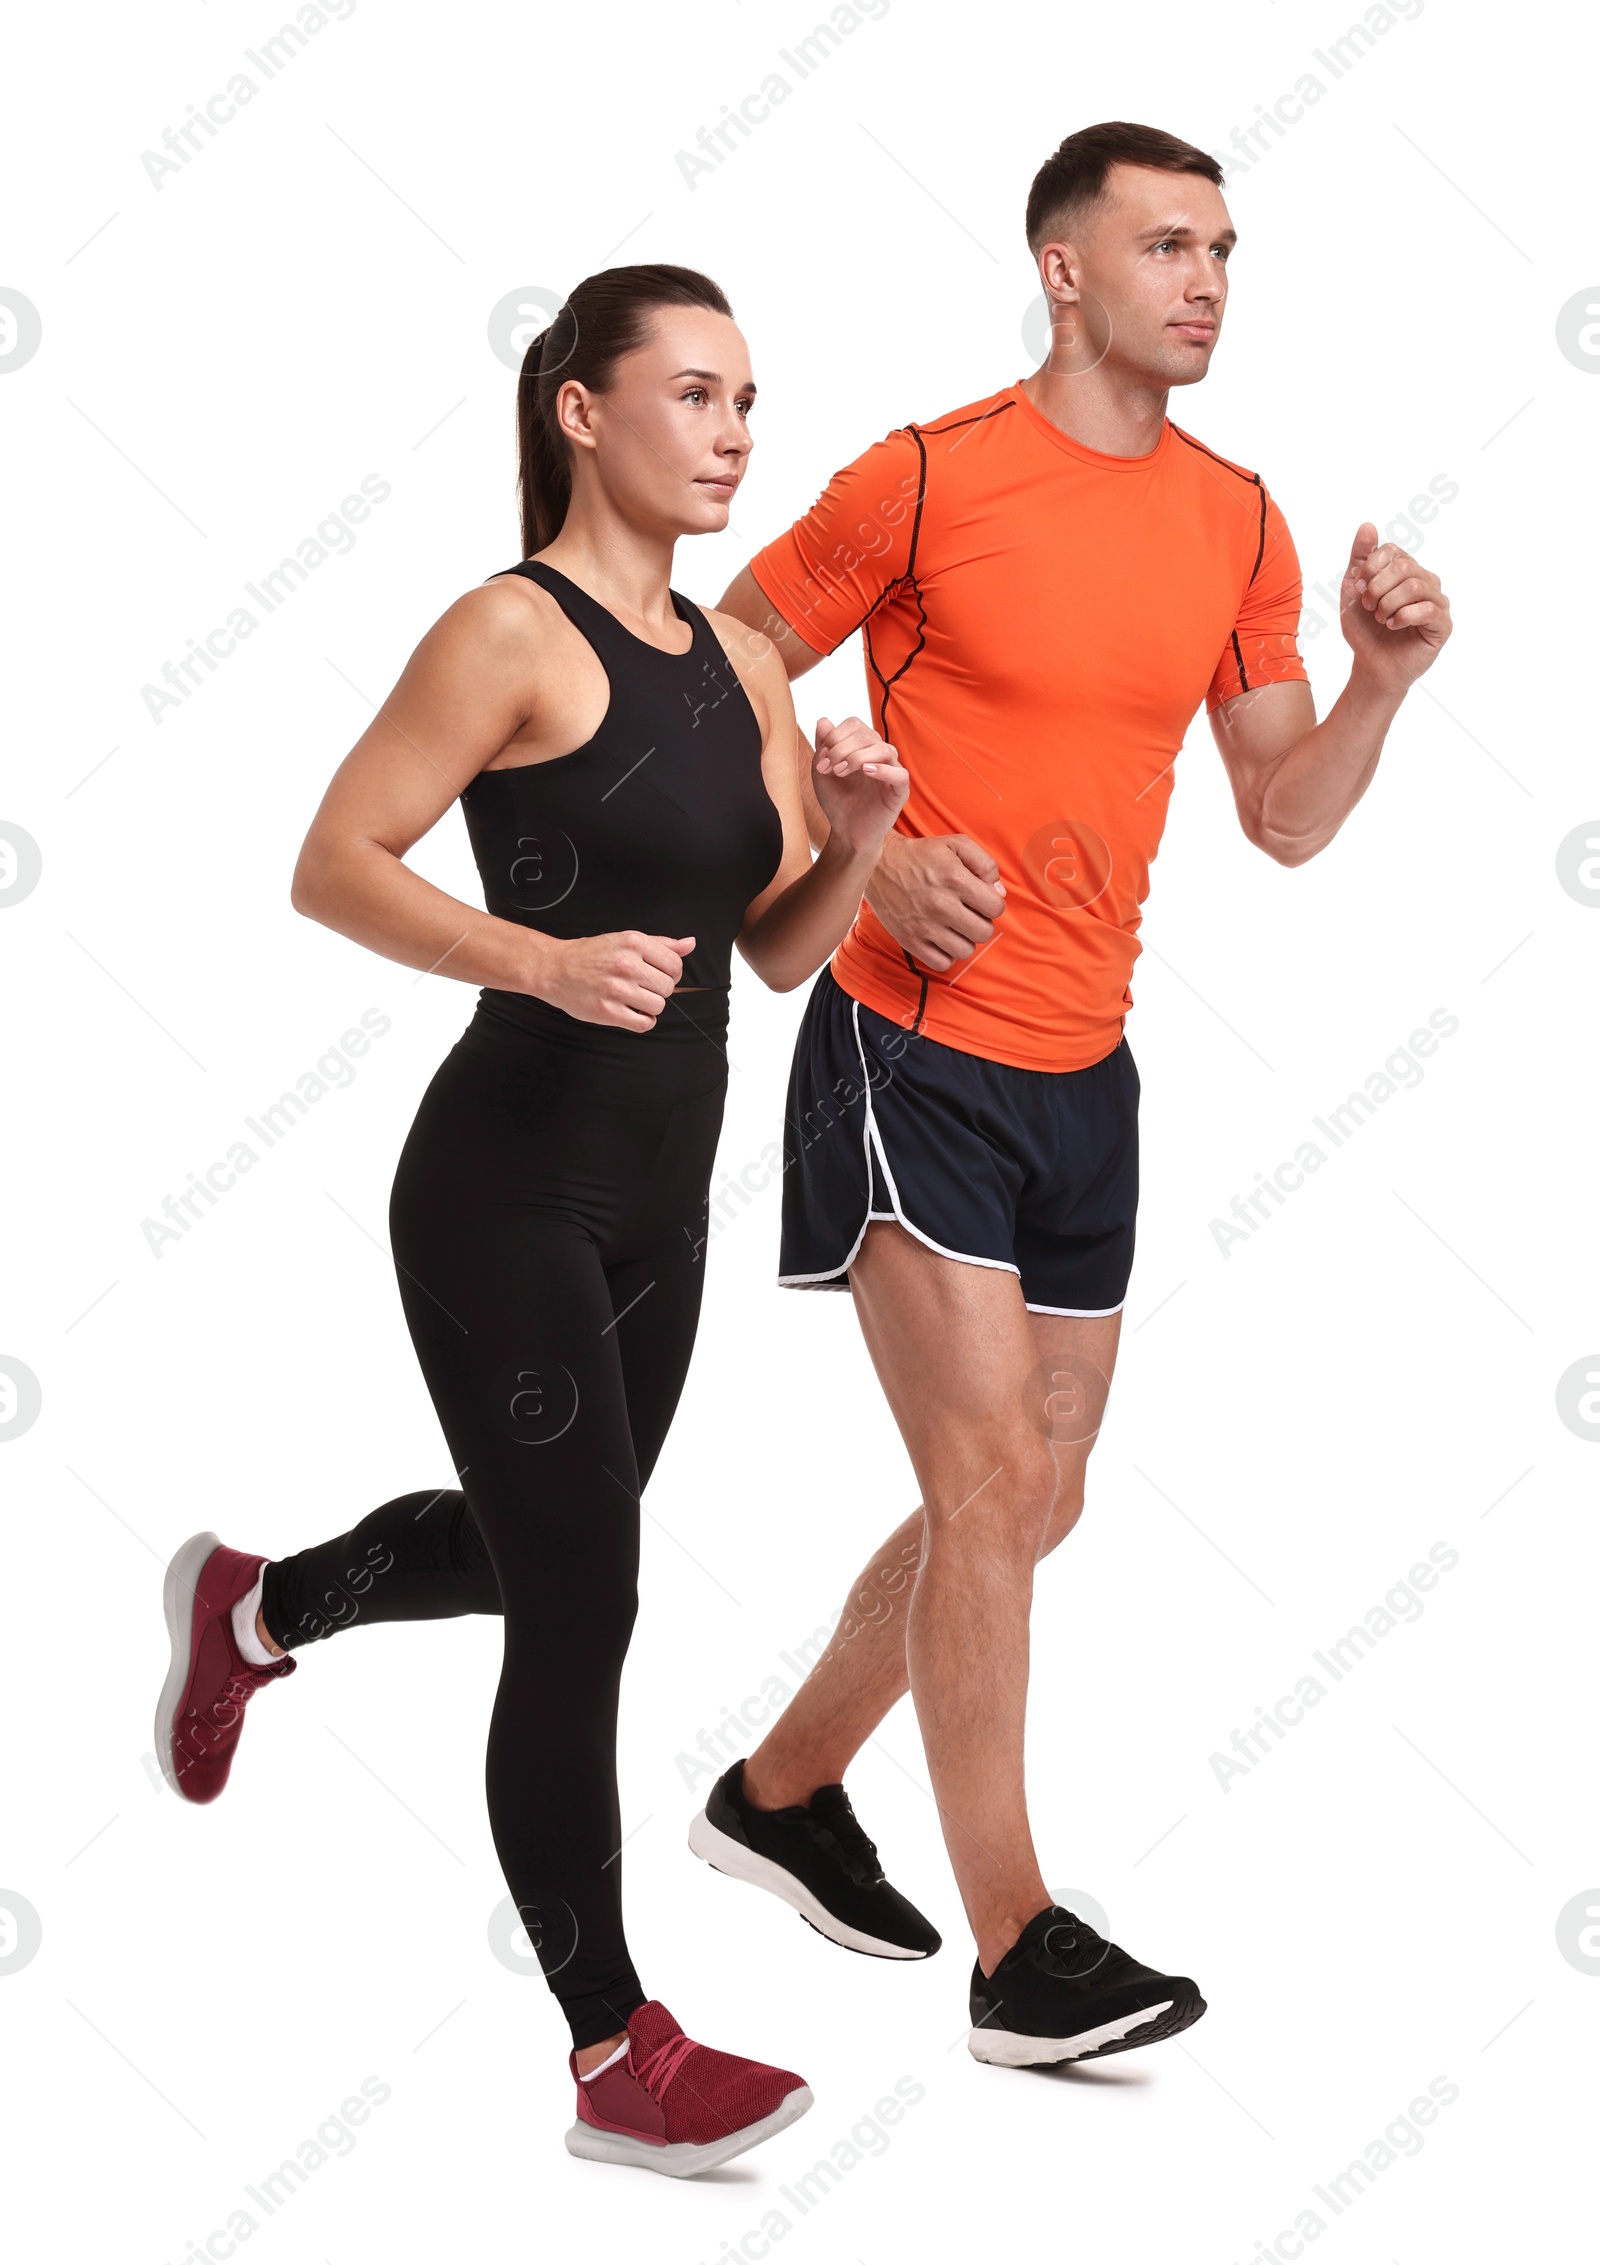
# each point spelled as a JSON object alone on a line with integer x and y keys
{"x": 939, "y": 899}
{"x": 1295, "y": 781}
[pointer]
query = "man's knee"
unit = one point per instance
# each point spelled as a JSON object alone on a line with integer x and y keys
{"x": 1009, "y": 1509}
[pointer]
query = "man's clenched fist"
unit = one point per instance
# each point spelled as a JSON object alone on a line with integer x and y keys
{"x": 1396, "y": 616}
{"x": 939, "y": 899}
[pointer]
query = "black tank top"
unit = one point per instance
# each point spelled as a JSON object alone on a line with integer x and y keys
{"x": 662, "y": 822}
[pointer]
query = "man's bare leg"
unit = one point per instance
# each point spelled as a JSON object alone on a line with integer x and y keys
{"x": 863, "y": 1673}
{"x": 959, "y": 1359}
{"x": 852, "y": 1685}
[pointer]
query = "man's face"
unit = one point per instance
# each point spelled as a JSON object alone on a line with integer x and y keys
{"x": 1150, "y": 266}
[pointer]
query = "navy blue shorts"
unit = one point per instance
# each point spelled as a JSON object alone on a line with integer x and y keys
{"x": 1032, "y": 1171}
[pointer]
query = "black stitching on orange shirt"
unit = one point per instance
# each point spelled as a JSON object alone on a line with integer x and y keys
{"x": 921, "y": 974}
{"x": 956, "y": 423}
{"x": 1237, "y": 470}
{"x": 887, "y": 684}
{"x": 1261, "y": 539}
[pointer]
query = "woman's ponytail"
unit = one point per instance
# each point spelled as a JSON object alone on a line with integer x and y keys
{"x": 542, "y": 506}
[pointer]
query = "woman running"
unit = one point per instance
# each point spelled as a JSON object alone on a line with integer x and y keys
{"x": 626, "y": 764}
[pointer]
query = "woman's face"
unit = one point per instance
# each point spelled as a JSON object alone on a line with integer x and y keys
{"x": 669, "y": 440}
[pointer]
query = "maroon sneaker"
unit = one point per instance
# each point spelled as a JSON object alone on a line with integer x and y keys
{"x": 674, "y": 2106}
{"x": 201, "y": 1709}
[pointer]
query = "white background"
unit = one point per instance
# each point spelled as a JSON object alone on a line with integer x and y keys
{"x": 1373, "y": 1905}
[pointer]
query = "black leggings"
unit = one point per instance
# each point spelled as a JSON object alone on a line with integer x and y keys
{"x": 548, "y": 1224}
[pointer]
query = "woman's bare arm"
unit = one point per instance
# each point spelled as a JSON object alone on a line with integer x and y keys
{"x": 806, "y": 908}
{"x": 468, "y": 689}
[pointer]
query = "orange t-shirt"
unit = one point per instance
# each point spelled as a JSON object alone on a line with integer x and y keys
{"x": 1042, "y": 622}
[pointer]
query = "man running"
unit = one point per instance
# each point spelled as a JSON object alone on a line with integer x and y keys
{"x": 1049, "y": 582}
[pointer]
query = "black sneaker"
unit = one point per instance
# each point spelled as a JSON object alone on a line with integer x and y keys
{"x": 816, "y": 1859}
{"x": 1063, "y": 1993}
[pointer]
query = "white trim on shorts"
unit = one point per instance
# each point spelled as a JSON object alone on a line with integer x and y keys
{"x": 872, "y": 1141}
{"x": 1081, "y": 1313}
{"x": 835, "y": 1274}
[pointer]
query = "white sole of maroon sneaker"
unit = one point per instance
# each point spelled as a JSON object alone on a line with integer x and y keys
{"x": 1006, "y": 2048}
{"x": 740, "y": 1863}
{"x": 680, "y": 2159}
{"x": 177, "y": 1598}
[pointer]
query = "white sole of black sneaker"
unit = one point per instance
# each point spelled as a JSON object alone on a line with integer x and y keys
{"x": 177, "y": 1602}
{"x": 680, "y": 2159}
{"x": 741, "y": 1863}
{"x": 1004, "y": 2048}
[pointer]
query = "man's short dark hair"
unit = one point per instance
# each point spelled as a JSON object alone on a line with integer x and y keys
{"x": 1070, "y": 184}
